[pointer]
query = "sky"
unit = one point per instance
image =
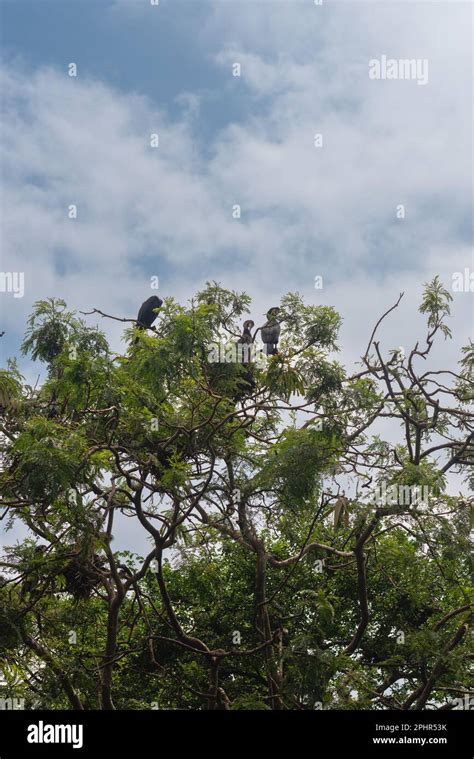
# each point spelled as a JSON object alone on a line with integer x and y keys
{"x": 306, "y": 210}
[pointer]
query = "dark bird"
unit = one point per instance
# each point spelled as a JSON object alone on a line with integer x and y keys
{"x": 146, "y": 315}
{"x": 244, "y": 355}
{"x": 244, "y": 342}
{"x": 271, "y": 332}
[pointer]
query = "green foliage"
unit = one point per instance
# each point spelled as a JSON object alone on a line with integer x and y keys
{"x": 329, "y": 379}
{"x": 231, "y": 474}
{"x": 315, "y": 325}
{"x": 436, "y": 300}
{"x": 282, "y": 379}
{"x": 423, "y": 474}
{"x": 295, "y": 463}
{"x": 51, "y": 329}
{"x": 48, "y": 458}
{"x": 10, "y": 390}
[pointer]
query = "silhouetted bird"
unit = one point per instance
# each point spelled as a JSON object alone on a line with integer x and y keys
{"x": 146, "y": 315}
{"x": 271, "y": 332}
{"x": 246, "y": 383}
{"x": 245, "y": 341}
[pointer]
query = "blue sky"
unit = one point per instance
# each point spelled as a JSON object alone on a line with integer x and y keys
{"x": 225, "y": 140}
{"x": 159, "y": 58}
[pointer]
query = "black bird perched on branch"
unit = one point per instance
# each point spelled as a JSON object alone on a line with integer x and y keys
{"x": 271, "y": 332}
{"x": 244, "y": 355}
{"x": 146, "y": 315}
{"x": 244, "y": 342}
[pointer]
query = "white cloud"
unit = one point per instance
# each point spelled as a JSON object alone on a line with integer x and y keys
{"x": 305, "y": 210}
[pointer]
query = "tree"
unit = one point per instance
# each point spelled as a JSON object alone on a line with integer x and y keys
{"x": 265, "y": 586}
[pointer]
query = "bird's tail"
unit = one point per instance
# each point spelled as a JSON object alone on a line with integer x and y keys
{"x": 138, "y": 326}
{"x": 271, "y": 349}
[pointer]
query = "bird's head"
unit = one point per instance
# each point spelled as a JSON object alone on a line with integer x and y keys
{"x": 272, "y": 313}
{"x": 249, "y": 324}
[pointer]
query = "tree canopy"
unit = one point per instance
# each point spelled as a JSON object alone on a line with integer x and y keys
{"x": 295, "y": 558}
